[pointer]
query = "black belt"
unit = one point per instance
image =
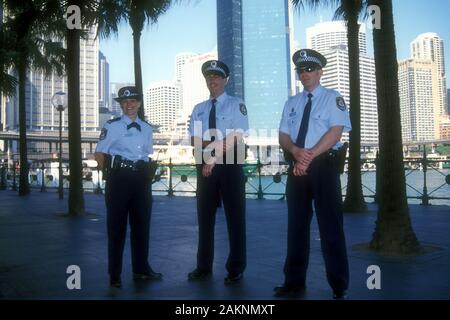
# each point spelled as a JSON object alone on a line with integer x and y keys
{"x": 329, "y": 154}
{"x": 120, "y": 163}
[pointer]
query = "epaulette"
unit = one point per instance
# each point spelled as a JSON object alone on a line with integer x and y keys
{"x": 114, "y": 120}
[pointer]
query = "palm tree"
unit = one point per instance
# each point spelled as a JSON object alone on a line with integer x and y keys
{"x": 138, "y": 13}
{"x": 393, "y": 232}
{"x": 76, "y": 198}
{"x": 350, "y": 10}
{"x": 32, "y": 24}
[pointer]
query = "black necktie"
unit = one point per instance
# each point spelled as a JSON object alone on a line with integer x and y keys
{"x": 212, "y": 117}
{"x": 135, "y": 125}
{"x": 304, "y": 125}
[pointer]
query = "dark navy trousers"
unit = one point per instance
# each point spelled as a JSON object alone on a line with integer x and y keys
{"x": 321, "y": 185}
{"x": 128, "y": 197}
{"x": 227, "y": 184}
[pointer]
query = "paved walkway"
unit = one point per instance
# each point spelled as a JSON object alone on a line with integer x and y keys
{"x": 38, "y": 243}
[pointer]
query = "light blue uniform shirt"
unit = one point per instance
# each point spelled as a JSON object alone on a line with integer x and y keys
{"x": 328, "y": 110}
{"x": 131, "y": 144}
{"x": 231, "y": 114}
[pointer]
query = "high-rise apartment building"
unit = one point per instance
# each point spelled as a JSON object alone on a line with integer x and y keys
{"x": 162, "y": 101}
{"x": 328, "y": 34}
{"x": 40, "y": 113}
{"x": 330, "y": 39}
{"x": 193, "y": 85}
{"x": 103, "y": 81}
{"x": 419, "y": 100}
{"x": 180, "y": 60}
{"x": 429, "y": 46}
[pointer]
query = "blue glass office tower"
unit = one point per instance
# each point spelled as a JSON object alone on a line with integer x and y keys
{"x": 253, "y": 38}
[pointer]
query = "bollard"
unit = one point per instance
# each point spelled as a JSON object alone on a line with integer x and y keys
{"x": 3, "y": 177}
{"x": 14, "y": 186}
{"x": 425, "y": 197}
{"x": 170, "y": 191}
{"x": 43, "y": 177}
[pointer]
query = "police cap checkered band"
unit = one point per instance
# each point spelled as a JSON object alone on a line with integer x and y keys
{"x": 215, "y": 67}
{"x": 129, "y": 92}
{"x": 308, "y": 57}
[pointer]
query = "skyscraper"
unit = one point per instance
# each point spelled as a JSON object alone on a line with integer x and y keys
{"x": 162, "y": 104}
{"x": 330, "y": 39}
{"x": 254, "y": 40}
{"x": 419, "y": 100}
{"x": 180, "y": 61}
{"x": 193, "y": 86}
{"x": 103, "y": 81}
{"x": 429, "y": 46}
{"x": 328, "y": 34}
{"x": 448, "y": 101}
{"x": 40, "y": 113}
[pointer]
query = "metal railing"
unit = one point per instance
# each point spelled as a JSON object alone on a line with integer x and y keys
{"x": 426, "y": 179}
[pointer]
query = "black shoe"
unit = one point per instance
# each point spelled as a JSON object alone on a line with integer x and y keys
{"x": 289, "y": 290}
{"x": 339, "y": 295}
{"x": 115, "y": 282}
{"x": 233, "y": 278}
{"x": 198, "y": 274}
{"x": 148, "y": 276}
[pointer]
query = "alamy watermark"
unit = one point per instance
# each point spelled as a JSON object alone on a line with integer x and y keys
{"x": 235, "y": 152}
{"x": 374, "y": 280}
{"x": 374, "y": 17}
{"x": 74, "y": 280}
{"x": 73, "y": 17}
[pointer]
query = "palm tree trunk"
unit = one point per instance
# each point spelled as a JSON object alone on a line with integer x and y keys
{"x": 393, "y": 232}
{"x": 24, "y": 187}
{"x": 354, "y": 200}
{"x": 76, "y": 198}
{"x": 138, "y": 67}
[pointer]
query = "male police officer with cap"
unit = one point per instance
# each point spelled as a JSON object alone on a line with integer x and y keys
{"x": 217, "y": 128}
{"x": 124, "y": 148}
{"x": 310, "y": 131}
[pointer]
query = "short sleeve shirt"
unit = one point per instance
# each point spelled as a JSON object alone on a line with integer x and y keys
{"x": 231, "y": 115}
{"x": 328, "y": 110}
{"x": 131, "y": 144}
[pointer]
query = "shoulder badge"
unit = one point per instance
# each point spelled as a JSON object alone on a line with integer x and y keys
{"x": 243, "y": 109}
{"x": 113, "y": 120}
{"x": 340, "y": 103}
{"x": 103, "y": 133}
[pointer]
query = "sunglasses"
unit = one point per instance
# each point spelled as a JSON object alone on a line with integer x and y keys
{"x": 306, "y": 69}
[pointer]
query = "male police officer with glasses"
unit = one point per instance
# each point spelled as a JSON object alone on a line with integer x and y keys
{"x": 217, "y": 128}
{"x": 124, "y": 148}
{"x": 310, "y": 131}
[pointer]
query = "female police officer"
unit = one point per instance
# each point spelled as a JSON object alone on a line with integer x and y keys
{"x": 124, "y": 148}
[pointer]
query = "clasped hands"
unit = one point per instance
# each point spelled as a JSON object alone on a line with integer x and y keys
{"x": 220, "y": 147}
{"x": 303, "y": 158}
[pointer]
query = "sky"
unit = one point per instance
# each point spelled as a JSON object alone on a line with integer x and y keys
{"x": 190, "y": 26}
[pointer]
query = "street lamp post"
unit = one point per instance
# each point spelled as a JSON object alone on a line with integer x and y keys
{"x": 59, "y": 101}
